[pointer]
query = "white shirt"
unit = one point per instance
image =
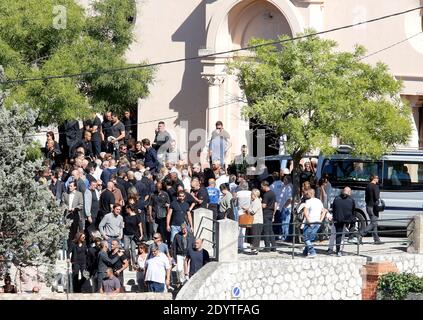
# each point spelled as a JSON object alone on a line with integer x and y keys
{"x": 244, "y": 200}
{"x": 71, "y": 196}
{"x": 232, "y": 187}
{"x": 141, "y": 261}
{"x": 187, "y": 184}
{"x": 156, "y": 268}
{"x": 97, "y": 173}
{"x": 222, "y": 179}
{"x": 315, "y": 207}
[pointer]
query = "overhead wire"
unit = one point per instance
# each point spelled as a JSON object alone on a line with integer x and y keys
{"x": 235, "y": 98}
{"x": 75, "y": 75}
{"x": 239, "y": 99}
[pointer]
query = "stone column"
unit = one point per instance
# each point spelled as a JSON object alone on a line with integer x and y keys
{"x": 203, "y": 228}
{"x": 315, "y": 13}
{"x": 214, "y": 81}
{"x": 415, "y": 235}
{"x": 227, "y": 240}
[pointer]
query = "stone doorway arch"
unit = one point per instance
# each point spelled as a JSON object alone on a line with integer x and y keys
{"x": 232, "y": 24}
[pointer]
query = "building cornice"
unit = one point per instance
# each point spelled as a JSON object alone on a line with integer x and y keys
{"x": 308, "y": 2}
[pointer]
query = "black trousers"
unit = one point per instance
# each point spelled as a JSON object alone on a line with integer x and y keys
{"x": 76, "y": 283}
{"x": 269, "y": 236}
{"x": 96, "y": 144}
{"x": 161, "y": 228}
{"x": 213, "y": 207}
{"x": 256, "y": 230}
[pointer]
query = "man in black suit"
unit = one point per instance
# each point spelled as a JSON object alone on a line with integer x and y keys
{"x": 73, "y": 202}
{"x": 150, "y": 161}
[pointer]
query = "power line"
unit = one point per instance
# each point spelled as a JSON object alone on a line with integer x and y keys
{"x": 239, "y": 99}
{"x": 390, "y": 46}
{"x": 76, "y": 75}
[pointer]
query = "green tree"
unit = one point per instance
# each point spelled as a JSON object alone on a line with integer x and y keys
{"x": 33, "y": 44}
{"x": 312, "y": 92}
{"x": 31, "y": 227}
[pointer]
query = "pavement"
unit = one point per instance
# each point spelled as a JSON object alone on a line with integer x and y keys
{"x": 391, "y": 245}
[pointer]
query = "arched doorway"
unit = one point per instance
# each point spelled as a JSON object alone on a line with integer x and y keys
{"x": 231, "y": 27}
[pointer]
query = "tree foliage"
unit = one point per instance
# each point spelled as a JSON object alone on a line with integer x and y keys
{"x": 31, "y": 46}
{"x": 398, "y": 285}
{"x": 31, "y": 228}
{"x": 311, "y": 92}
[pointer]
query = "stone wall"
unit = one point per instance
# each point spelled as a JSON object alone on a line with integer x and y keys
{"x": 275, "y": 278}
{"x": 84, "y": 296}
{"x": 323, "y": 278}
{"x": 410, "y": 263}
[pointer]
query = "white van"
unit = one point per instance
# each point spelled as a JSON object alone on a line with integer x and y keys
{"x": 400, "y": 181}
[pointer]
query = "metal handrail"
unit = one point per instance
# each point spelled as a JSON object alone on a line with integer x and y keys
{"x": 348, "y": 233}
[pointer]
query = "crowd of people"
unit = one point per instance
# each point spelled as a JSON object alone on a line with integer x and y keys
{"x": 120, "y": 194}
{"x": 131, "y": 204}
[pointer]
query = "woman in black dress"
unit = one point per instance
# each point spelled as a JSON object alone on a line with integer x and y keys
{"x": 132, "y": 232}
{"x": 78, "y": 259}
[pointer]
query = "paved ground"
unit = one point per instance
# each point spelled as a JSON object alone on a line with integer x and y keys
{"x": 392, "y": 245}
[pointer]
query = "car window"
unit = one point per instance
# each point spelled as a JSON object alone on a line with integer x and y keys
{"x": 403, "y": 175}
{"x": 342, "y": 172}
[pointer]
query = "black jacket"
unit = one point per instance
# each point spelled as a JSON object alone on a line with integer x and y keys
{"x": 178, "y": 247}
{"x": 343, "y": 209}
{"x": 151, "y": 160}
{"x": 105, "y": 262}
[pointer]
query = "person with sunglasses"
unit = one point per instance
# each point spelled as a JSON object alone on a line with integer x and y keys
{"x": 157, "y": 238}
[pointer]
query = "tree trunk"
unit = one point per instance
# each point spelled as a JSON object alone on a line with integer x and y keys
{"x": 296, "y": 192}
{"x": 296, "y": 195}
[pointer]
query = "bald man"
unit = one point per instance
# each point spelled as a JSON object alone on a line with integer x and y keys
{"x": 80, "y": 183}
{"x": 343, "y": 212}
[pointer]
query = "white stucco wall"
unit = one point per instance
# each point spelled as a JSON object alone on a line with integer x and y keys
{"x": 169, "y": 29}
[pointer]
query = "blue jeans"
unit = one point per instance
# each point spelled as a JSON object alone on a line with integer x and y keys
{"x": 155, "y": 286}
{"x": 130, "y": 246}
{"x": 310, "y": 232}
{"x": 236, "y": 213}
{"x": 285, "y": 219}
{"x": 174, "y": 230}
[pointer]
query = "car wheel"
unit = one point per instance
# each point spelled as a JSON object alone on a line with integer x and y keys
{"x": 360, "y": 221}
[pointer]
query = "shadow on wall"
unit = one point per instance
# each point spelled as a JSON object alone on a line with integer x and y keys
{"x": 191, "y": 101}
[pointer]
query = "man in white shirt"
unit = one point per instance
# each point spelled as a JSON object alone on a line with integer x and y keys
{"x": 223, "y": 178}
{"x": 314, "y": 214}
{"x": 243, "y": 199}
{"x": 157, "y": 271}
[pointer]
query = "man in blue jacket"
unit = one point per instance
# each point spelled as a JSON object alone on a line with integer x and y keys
{"x": 151, "y": 162}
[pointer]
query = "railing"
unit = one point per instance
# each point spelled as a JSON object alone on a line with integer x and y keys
{"x": 296, "y": 235}
{"x": 201, "y": 228}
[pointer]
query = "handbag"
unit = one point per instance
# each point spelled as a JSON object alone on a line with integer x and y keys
{"x": 380, "y": 204}
{"x": 246, "y": 219}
